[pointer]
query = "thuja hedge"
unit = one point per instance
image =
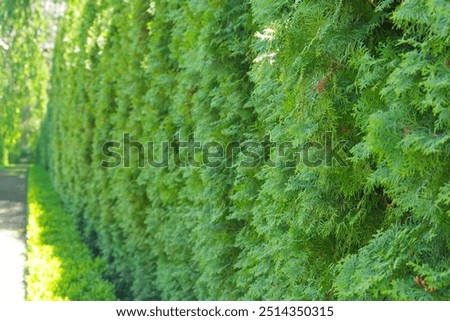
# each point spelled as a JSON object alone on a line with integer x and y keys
{"x": 372, "y": 74}
{"x": 59, "y": 265}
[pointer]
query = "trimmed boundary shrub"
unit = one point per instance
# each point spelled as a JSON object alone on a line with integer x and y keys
{"x": 59, "y": 265}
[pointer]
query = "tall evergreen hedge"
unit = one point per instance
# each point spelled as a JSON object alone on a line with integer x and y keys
{"x": 372, "y": 74}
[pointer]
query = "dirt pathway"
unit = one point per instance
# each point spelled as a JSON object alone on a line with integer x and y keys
{"x": 12, "y": 233}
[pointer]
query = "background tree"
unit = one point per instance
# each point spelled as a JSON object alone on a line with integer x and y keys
{"x": 26, "y": 32}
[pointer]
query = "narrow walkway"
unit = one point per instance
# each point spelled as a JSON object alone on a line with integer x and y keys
{"x": 12, "y": 233}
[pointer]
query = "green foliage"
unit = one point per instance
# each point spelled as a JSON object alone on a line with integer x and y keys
{"x": 24, "y": 77}
{"x": 403, "y": 113}
{"x": 59, "y": 264}
{"x": 372, "y": 74}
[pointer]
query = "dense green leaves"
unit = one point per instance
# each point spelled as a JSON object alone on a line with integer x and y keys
{"x": 373, "y": 75}
{"x": 404, "y": 108}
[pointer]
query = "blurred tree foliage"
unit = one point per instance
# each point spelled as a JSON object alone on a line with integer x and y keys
{"x": 375, "y": 74}
{"x": 24, "y": 77}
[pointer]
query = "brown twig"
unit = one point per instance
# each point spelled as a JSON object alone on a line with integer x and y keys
{"x": 373, "y": 4}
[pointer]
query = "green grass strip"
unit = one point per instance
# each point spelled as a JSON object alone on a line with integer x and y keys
{"x": 59, "y": 264}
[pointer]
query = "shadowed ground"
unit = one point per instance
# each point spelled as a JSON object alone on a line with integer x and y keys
{"x": 12, "y": 233}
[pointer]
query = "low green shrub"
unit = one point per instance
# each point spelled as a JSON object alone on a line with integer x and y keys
{"x": 59, "y": 265}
